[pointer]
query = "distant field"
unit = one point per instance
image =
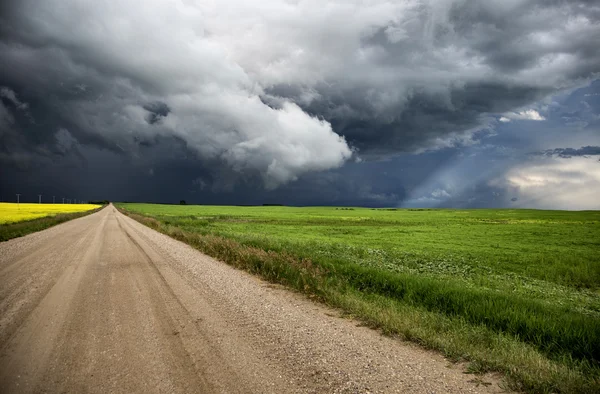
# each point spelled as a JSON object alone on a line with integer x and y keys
{"x": 517, "y": 291}
{"x": 13, "y": 213}
{"x": 17, "y": 220}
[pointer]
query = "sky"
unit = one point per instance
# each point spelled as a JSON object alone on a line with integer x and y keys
{"x": 460, "y": 104}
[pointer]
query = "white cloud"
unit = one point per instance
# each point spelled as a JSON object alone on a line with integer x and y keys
{"x": 529, "y": 114}
{"x": 440, "y": 194}
{"x": 555, "y": 183}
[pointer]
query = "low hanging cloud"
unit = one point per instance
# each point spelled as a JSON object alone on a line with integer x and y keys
{"x": 277, "y": 89}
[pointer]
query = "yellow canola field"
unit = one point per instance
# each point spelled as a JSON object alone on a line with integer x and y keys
{"x": 12, "y": 212}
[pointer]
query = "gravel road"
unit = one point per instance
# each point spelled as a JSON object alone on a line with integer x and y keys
{"x": 104, "y": 304}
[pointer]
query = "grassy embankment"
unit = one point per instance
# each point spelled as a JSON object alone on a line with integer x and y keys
{"x": 514, "y": 291}
{"x": 17, "y": 220}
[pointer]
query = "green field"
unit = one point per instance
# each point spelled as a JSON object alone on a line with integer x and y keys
{"x": 515, "y": 291}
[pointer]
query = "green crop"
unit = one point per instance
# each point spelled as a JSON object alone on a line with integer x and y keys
{"x": 516, "y": 291}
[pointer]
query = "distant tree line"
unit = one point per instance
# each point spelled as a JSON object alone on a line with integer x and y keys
{"x": 99, "y": 202}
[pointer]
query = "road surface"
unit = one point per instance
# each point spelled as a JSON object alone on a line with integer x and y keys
{"x": 104, "y": 304}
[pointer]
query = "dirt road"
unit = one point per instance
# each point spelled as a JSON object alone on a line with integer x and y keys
{"x": 104, "y": 304}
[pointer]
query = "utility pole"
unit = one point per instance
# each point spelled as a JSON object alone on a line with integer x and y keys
{"x": 39, "y": 198}
{"x": 18, "y": 195}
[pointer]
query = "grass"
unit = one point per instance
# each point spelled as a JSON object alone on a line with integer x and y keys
{"x": 9, "y": 230}
{"x": 514, "y": 291}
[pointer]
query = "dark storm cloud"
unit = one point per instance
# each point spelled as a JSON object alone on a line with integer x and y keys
{"x": 259, "y": 95}
{"x": 425, "y": 120}
{"x": 440, "y": 71}
{"x": 567, "y": 153}
{"x": 516, "y": 35}
{"x": 156, "y": 112}
{"x": 97, "y": 84}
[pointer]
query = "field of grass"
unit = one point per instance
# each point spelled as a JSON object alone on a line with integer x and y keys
{"x": 13, "y": 213}
{"x": 514, "y": 291}
{"x": 17, "y": 220}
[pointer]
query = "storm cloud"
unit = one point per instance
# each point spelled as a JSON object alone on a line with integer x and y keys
{"x": 275, "y": 91}
{"x": 567, "y": 153}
